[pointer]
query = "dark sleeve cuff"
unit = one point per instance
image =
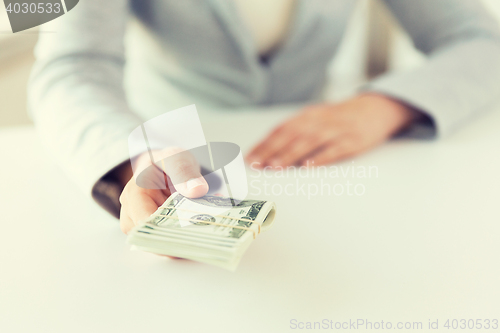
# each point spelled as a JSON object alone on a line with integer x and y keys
{"x": 106, "y": 192}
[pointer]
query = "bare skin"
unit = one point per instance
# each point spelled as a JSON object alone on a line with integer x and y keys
{"x": 138, "y": 203}
{"x": 323, "y": 133}
{"x": 327, "y": 133}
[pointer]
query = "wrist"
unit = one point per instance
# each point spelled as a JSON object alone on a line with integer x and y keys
{"x": 401, "y": 114}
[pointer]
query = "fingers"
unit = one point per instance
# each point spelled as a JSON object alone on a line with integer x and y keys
{"x": 331, "y": 153}
{"x": 301, "y": 148}
{"x": 283, "y": 150}
{"x": 184, "y": 173}
{"x": 148, "y": 175}
{"x": 126, "y": 223}
{"x": 274, "y": 143}
{"x": 293, "y": 140}
{"x": 140, "y": 204}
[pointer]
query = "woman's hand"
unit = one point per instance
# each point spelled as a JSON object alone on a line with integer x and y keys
{"x": 327, "y": 133}
{"x": 138, "y": 203}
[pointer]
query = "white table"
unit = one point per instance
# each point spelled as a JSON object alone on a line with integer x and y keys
{"x": 421, "y": 243}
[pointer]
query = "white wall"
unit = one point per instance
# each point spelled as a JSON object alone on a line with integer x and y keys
{"x": 347, "y": 71}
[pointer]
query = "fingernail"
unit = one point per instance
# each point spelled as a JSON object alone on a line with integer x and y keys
{"x": 194, "y": 182}
{"x": 258, "y": 162}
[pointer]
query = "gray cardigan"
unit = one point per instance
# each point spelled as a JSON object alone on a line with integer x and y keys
{"x": 200, "y": 51}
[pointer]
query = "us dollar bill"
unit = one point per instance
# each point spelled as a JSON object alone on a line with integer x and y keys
{"x": 210, "y": 229}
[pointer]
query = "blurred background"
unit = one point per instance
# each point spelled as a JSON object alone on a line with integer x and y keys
{"x": 373, "y": 43}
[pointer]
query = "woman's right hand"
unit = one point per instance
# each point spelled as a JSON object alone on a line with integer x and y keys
{"x": 181, "y": 169}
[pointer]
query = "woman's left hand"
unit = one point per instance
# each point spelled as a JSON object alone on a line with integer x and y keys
{"x": 327, "y": 133}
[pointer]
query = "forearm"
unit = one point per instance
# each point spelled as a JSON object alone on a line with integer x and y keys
{"x": 451, "y": 87}
{"x": 75, "y": 91}
{"x": 460, "y": 77}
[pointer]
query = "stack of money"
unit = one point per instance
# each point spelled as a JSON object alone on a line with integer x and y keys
{"x": 211, "y": 229}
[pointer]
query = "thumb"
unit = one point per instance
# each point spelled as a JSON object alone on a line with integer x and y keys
{"x": 184, "y": 173}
